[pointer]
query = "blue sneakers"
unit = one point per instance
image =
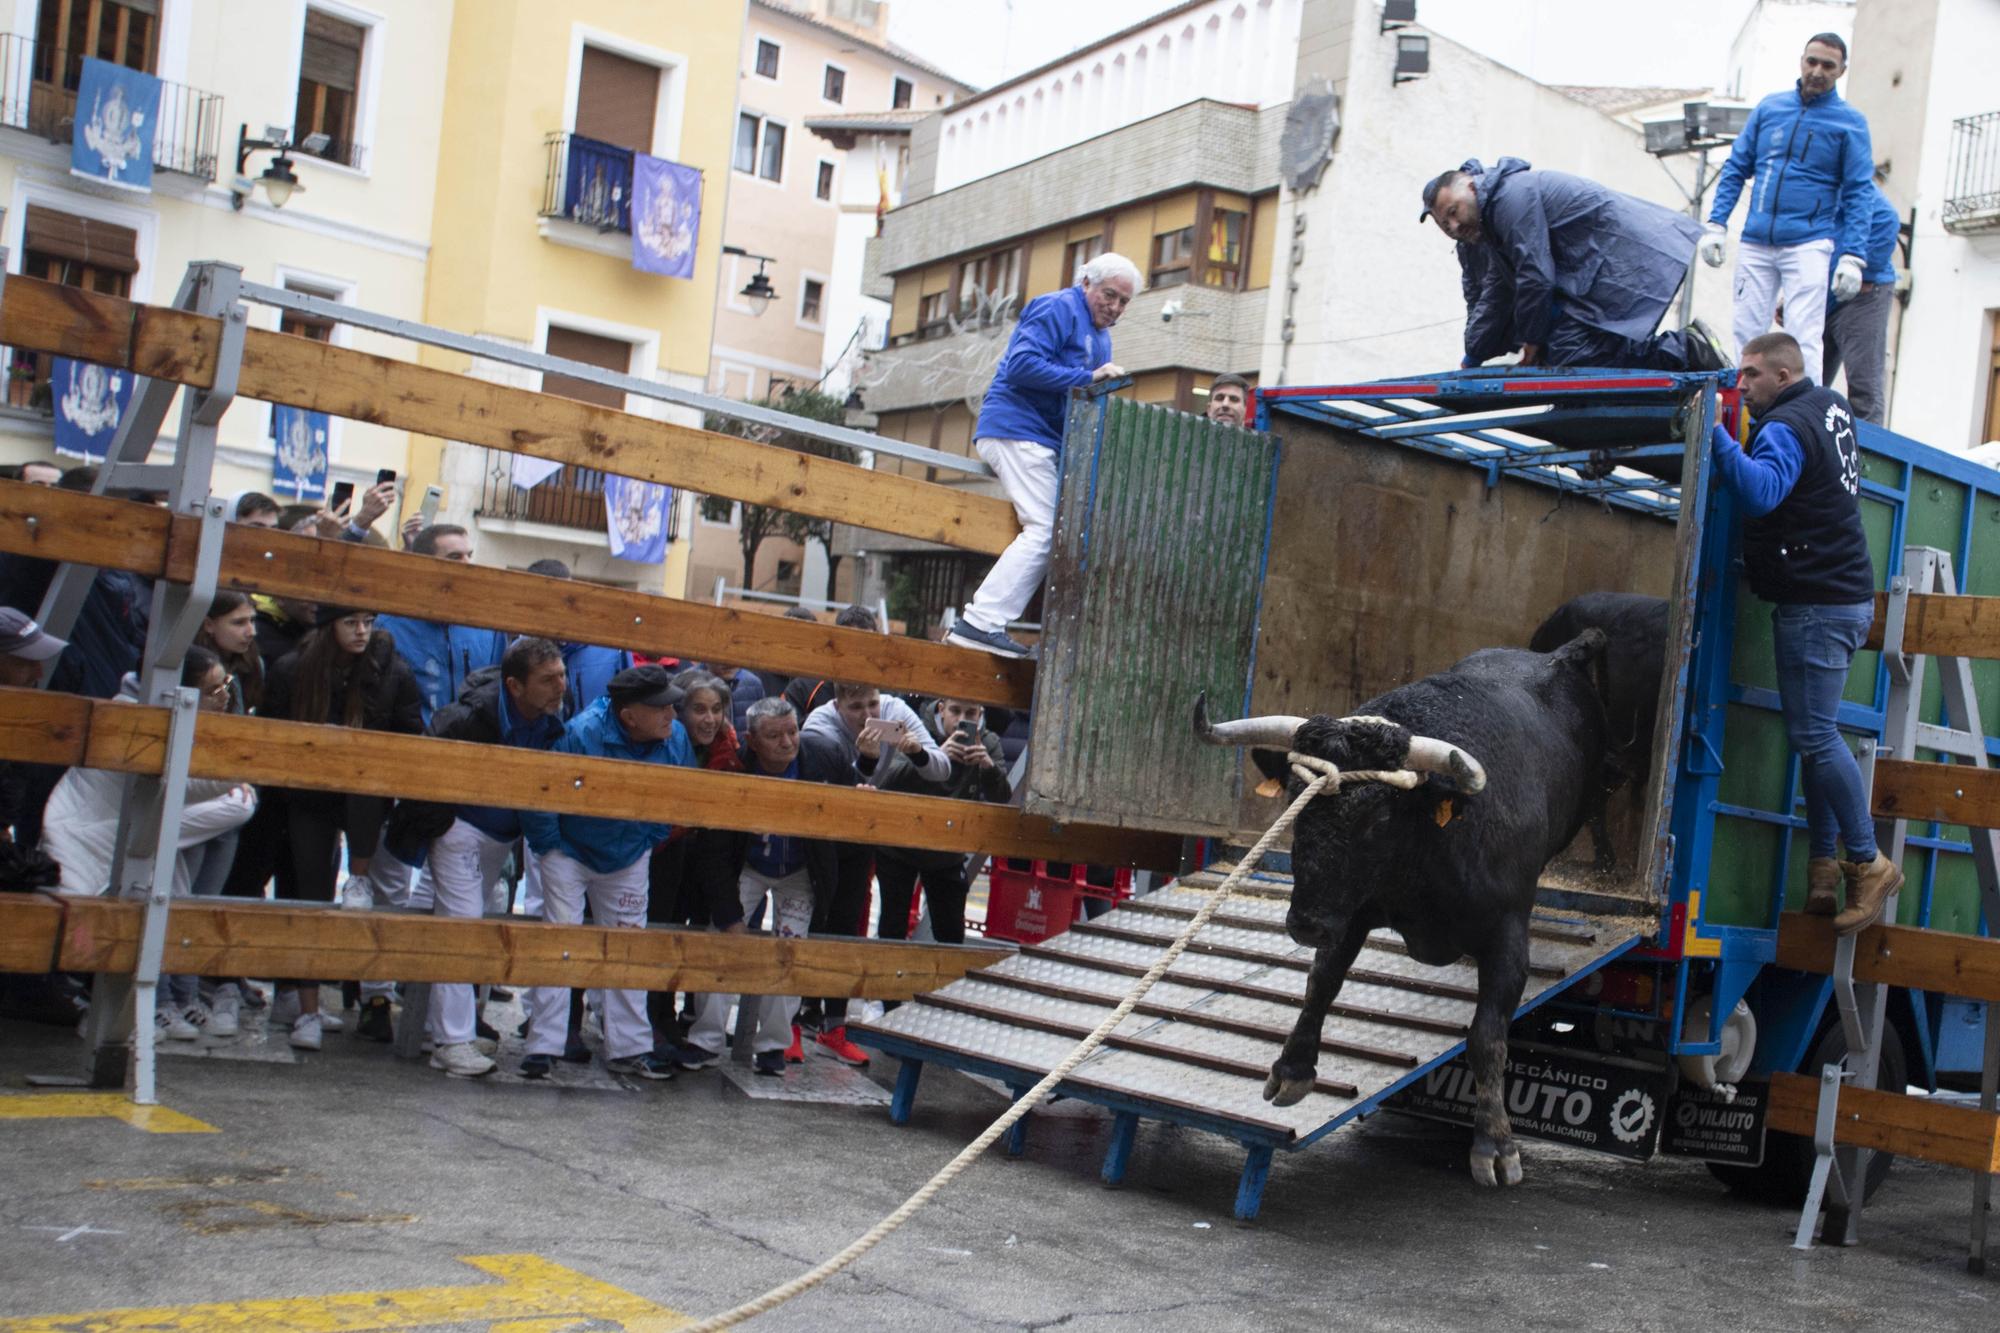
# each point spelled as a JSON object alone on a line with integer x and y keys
{"x": 643, "y": 1065}
{"x": 995, "y": 641}
{"x": 537, "y": 1066}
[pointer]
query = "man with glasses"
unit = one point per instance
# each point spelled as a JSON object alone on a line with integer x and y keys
{"x": 443, "y": 656}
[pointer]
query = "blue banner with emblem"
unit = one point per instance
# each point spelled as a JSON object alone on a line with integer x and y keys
{"x": 299, "y": 453}
{"x": 117, "y": 119}
{"x": 89, "y": 402}
{"x": 635, "y": 518}
{"x": 666, "y": 216}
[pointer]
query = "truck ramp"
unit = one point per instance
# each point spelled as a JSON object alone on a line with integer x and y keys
{"x": 1197, "y": 1049}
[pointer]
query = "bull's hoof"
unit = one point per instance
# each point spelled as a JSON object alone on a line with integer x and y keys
{"x": 1499, "y": 1169}
{"x": 1282, "y": 1090}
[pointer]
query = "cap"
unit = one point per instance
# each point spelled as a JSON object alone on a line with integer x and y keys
{"x": 327, "y": 613}
{"x": 21, "y": 637}
{"x": 1431, "y": 194}
{"x": 644, "y": 686}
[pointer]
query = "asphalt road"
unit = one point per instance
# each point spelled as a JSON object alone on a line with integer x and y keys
{"x": 349, "y": 1172}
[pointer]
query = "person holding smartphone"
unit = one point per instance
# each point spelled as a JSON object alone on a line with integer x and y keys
{"x": 978, "y": 773}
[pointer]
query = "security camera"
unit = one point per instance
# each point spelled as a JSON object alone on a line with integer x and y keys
{"x": 1168, "y": 311}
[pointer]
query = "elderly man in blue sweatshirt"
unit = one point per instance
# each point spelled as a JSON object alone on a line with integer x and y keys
{"x": 1805, "y": 552}
{"x": 1063, "y": 342}
{"x": 1806, "y": 156}
{"x": 605, "y": 861}
{"x": 1857, "y": 327}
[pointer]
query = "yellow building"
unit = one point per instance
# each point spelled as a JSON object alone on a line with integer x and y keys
{"x": 544, "y": 107}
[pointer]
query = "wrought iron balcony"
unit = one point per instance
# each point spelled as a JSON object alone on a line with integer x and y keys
{"x": 588, "y": 183}
{"x": 38, "y": 94}
{"x": 1972, "y": 185}
{"x": 573, "y": 498}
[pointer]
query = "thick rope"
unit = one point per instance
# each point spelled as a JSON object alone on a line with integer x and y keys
{"x": 1324, "y": 776}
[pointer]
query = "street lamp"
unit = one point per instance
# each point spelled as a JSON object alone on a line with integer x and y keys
{"x": 758, "y": 291}
{"x": 1701, "y": 126}
{"x": 279, "y": 181}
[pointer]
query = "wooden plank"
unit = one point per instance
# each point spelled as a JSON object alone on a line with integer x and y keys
{"x": 128, "y": 738}
{"x": 30, "y": 931}
{"x": 1962, "y": 626}
{"x": 1961, "y": 1136}
{"x": 1932, "y": 960}
{"x": 229, "y": 938}
{"x": 1948, "y": 793}
{"x": 301, "y": 372}
{"x": 86, "y": 529}
{"x": 37, "y": 727}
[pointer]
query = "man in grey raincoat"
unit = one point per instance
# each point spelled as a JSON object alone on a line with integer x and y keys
{"x": 1567, "y": 271}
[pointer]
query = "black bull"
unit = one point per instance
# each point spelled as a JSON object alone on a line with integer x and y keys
{"x": 1512, "y": 744}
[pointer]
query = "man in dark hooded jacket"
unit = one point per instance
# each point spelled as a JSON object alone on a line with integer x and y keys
{"x": 1571, "y": 273}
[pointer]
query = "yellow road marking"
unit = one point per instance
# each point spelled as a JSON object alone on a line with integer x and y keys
{"x": 532, "y": 1296}
{"x": 113, "y": 1105}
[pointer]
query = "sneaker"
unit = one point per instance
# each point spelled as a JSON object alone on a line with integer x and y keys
{"x": 835, "y": 1043}
{"x": 461, "y": 1060}
{"x": 694, "y": 1057}
{"x": 575, "y": 1052}
{"x": 284, "y": 1010}
{"x": 482, "y": 1028}
{"x": 197, "y": 1014}
{"x": 499, "y": 994}
{"x": 1706, "y": 349}
{"x": 643, "y": 1065}
{"x": 771, "y": 1063}
{"x": 306, "y": 1029}
{"x": 224, "y": 1011}
{"x": 1869, "y": 889}
{"x": 356, "y": 894}
{"x": 331, "y": 1022}
{"x": 375, "y": 1023}
{"x": 1823, "y": 879}
{"x": 537, "y": 1066}
{"x": 795, "y": 1054}
{"x": 995, "y": 641}
{"x": 171, "y": 1026}
{"x": 253, "y": 998}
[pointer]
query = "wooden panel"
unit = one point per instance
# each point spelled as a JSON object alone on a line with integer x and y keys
{"x": 615, "y": 99}
{"x": 938, "y": 278}
{"x": 132, "y": 739}
{"x": 86, "y": 529}
{"x": 1264, "y": 241}
{"x": 37, "y": 727}
{"x": 30, "y": 931}
{"x": 220, "y": 937}
{"x": 1932, "y": 960}
{"x": 1045, "y": 264}
{"x": 41, "y": 316}
{"x": 903, "y": 305}
{"x": 1173, "y": 214}
{"x": 1949, "y": 793}
{"x": 1961, "y": 626}
{"x": 1961, "y": 1136}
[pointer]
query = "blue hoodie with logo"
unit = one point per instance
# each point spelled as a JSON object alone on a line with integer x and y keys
{"x": 604, "y": 845}
{"x": 1810, "y": 168}
{"x": 1052, "y": 350}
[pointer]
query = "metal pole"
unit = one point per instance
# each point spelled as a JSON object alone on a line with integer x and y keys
{"x": 1701, "y": 179}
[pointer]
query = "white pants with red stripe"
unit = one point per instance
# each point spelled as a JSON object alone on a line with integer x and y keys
{"x": 617, "y": 898}
{"x": 461, "y": 871}
{"x": 768, "y": 1017}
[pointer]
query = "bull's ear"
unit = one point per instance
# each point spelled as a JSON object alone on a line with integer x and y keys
{"x": 1273, "y": 764}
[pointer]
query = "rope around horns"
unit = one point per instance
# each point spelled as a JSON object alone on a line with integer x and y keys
{"x": 1320, "y": 776}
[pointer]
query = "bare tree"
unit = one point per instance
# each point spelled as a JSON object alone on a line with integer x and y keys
{"x": 761, "y": 521}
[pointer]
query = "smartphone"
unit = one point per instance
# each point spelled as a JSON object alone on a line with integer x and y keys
{"x": 432, "y": 494}
{"x": 343, "y": 491}
{"x": 383, "y": 474}
{"x": 968, "y": 731}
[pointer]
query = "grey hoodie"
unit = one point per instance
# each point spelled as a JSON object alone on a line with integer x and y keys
{"x": 825, "y": 724}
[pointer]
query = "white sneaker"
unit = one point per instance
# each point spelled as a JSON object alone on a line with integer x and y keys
{"x": 357, "y": 895}
{"x": 197, "y": 1014}
{"x": 306, "y": 1031}
{"x": 331, "y": 1021}
{"x": 461, "y": 1060}
{"x": 225, "y": 1011}
{"x": 170, "y": 1025}
{"x": 284, "y": 1010}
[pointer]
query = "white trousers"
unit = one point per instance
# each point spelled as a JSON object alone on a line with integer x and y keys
{"x": 531, "y": 884}
{"x": 1028, "y": 473}
{"x": 393, "y": 884}
{"x": 617, "y": 898}
{"x": 769, "y": 1016}
{"x": 461, "y": 871}
{"x": 1798, "y": 273}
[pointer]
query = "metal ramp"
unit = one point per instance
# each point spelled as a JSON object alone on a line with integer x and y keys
{"x": 1198, "y": 1048}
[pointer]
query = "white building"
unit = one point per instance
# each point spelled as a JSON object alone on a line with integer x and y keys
{"x": 1764, "y": 58}
{"x": 371, "y": 78}
{"x": 876, "y": 145}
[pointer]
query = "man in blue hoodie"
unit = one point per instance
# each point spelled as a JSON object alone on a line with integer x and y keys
{"x": 1805, "y": 155}
{"x": 1857, "y": 327}
{"x": 605, "y": 861}
{"x": 442, "y": 656}
{"x": 1062, "y": 342}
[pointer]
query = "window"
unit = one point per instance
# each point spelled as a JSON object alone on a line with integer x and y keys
{"x": 985, "y": 283}
{"x": 1173, "y": 251}
{"x": 902, "y": 91}
{"x": 767, "y": 58}
{"x": 124, "y": 32}
{"x": 1081, "y": 253}
{"x": 747, "y": 127}
{"x": 617, "y": 100}
{"x": 329, "y": 86}
{"x": 771, "y": 163}
{"x": 760, "y": 147}
{"x": 74, "y": 252}
{"x": 302, "y": 325}
{"x": 1226, "y": 232}
{"x": 575, "y": 497}
{"x": 812, "y": 301}
{"x": 933, "y": 315}
{"x": 823, "y": 187}
{"x": 833, "y": 87}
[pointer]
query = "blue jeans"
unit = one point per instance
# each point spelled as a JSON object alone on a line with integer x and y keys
{"x": 1813, "y": 646}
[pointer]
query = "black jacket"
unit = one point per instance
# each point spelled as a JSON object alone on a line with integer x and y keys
{"x": 391, "y": 701}
{"x": 966, "y": 783}
{"x": 719, "y": 854}
{"x": 1812, "y": 548}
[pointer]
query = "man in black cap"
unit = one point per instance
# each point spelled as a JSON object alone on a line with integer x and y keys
{"x": 24, "y": 649}
{"x": 605, "y": 861}
{"x": 1567, "y": 271}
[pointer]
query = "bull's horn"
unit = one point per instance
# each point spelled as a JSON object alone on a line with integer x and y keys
{"x": 1264, "y": 733}
{"x": 1429, "y": 755}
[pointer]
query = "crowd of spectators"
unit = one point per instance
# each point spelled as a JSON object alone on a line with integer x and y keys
{"x": 347, "y": 666}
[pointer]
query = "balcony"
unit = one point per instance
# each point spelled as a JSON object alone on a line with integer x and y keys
{"x": 1972, "y": 182}
{"x": 38, "y": 94}
{"x": 573, "y": 498}
{"x": 588, "y": 183}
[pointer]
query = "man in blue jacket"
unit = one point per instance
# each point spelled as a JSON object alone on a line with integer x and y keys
{"x": 1805, "y": 155}
{"x": 605, "y": 861}
{"x": 590, "y": 666}
{"x": 1857, "y": 327}
{"x": 442, "y": 656}
{"x": 1571, "y": 273}
{"x": 1062, "y": 342}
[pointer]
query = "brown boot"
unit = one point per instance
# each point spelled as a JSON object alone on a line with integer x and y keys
{"x": 1823, "y": 880}
{"x": 1868, "y": 888}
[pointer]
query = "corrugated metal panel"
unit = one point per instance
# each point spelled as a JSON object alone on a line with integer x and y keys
{"x": 1154, "y": 590}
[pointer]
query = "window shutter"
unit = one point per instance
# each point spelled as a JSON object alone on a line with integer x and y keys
{"x": 332, "y": 52}
{"x": 593, "y": 350}
{"x": 615, "y": 100}
{"x": 102, "y": 245}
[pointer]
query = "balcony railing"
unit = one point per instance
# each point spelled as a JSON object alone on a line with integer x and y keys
{"x": 588, "y": 183}
{"x": 573, "y": 498}
{"x": 38, "y": 94}
{"x": 1972, "y": 184}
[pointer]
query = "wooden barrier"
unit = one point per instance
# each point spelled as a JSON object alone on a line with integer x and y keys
{"x": 30, "y": 932}
{"x": 117, "y": 534}
{"x": 1930, "y": 960}
{"x": 129, "y": 738}
{"x": 1943, "y": 625}
{"x": 1947, "y": 793}
{"x": 1961, "y": 1136}
{"x": 299, "y": 372}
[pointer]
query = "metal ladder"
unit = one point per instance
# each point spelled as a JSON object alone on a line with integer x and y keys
{"x": 1839, "y": 1178}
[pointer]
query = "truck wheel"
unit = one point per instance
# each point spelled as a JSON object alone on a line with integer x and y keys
{"x": 1787, "y": 1169}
